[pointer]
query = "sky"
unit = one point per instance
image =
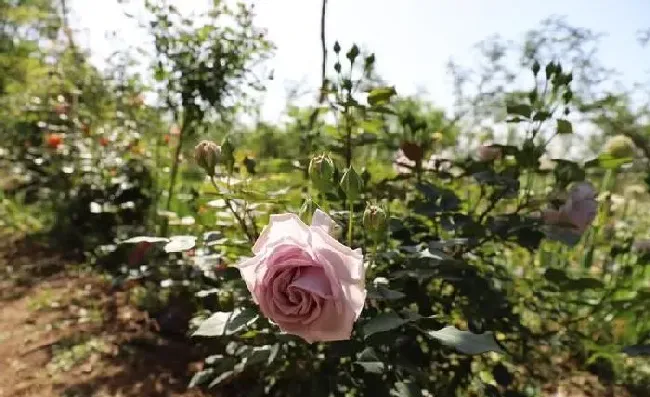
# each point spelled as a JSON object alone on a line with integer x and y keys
{"x": 413, "y": 39}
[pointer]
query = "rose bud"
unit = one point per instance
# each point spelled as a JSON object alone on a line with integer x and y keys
{"x": 207, "y": 154}
{"x": 374, "y": 220}
{"x": 321, "y": 172}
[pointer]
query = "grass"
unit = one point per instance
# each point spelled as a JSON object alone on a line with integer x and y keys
{"x": 72, "y": 352}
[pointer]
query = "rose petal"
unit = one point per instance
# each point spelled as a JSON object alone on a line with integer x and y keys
{"x": 350, "y": 266}
{"x": 314, "y": 281}
{"x": 282, "y": 257}
{"x": 330, "y": 326}
{"x": 354, "y": 290}
{"x": 254, "y": 270}
{"x": 582, "y": 191}
{"x": 581, "y": 207}
{"x": 322, "y": 220}
{"x": 282, "y": 226}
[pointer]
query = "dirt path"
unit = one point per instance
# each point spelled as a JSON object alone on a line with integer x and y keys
{"x": 63, "y": 333}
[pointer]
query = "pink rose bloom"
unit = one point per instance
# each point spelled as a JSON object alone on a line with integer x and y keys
{"x": 304, "y": 280}
{"x": 578, "y": 212}
{"x": 488, "y": 153}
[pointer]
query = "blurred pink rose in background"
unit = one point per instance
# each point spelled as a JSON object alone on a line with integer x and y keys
{"x": 579, "y": 210}
{"x": 304, "y": 280}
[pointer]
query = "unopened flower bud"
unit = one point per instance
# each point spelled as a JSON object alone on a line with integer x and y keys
{"x": 250, "y": 164}
{"x": 351, "y": 184}
{"x": 620, "y": 146}
{"x": 307, "y": 210}
{"x": 321, "y": 172}
{"x": 228, "y": 154}
{"x": 207, "y": 154}
{"x": 374, "y": 219}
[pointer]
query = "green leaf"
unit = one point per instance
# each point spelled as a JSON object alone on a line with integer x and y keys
{"x": 381, "y": 109}
{"x": 145, "y": 239}
{"x": 215, "y": 325}
{"x": 407, "y": 389}
{"x": 226, "y": 323}
{"x": 519, "y": 110}
{"x": 607, "y": 161}
{"x": 222, "y": 368}
{"x": 369, "y": 361}
{"x": 201, "y": 377}
{"x": 240, "y": 319}
{"x": 466, "y": 342}
{"x": 160, "y": 74}
{"x": 555, "y": 275}
{"x": 568, "y": 284}
{"x": 382, "y": 323}
{"x": 365, "y": 138}
{"x": 562, "y": 234}
{"x": 382, "y": 293}
{"x": 564, "y": 127}
{"x": 637, "y": 350}
{"x": 223, "y": 376}
{"x": 260, "y": 354}
{"x": 180, "y": 244}
{"x": 381, "y": 95}
{"x": 568, "y": 171}
{"x": 582, "y": 283}
{"x": 541, "y": 116}
{"x": 373, "y": 126}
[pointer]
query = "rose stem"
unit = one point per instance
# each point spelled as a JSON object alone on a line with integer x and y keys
{"x": 350, "y": 224}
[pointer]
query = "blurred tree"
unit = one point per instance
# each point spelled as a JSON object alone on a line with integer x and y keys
{"x": 203, "y": 66}
{"x": 482, "y": 92}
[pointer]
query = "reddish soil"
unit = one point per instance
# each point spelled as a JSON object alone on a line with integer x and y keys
{"x": 64, "y": 333}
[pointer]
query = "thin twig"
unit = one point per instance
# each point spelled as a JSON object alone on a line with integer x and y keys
{"x": 174, "y": 170}
{"x": 324, "y": 50}
{"x": 240, "y": 220}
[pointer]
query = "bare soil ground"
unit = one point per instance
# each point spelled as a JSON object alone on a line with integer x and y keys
{"x": 64, "y": 333}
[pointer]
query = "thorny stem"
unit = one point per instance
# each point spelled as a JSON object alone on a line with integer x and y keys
{"x": 256, "y": 232}
{"x": 240, "y": 220}
{"x": 174, "y": 170}
{"x": 495, "y": 200}
{"x": 248, "y": 213}
{"x": 374, "y": 254}
{"x": 350, "y": 224}
{"x": 324, "y": 50}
